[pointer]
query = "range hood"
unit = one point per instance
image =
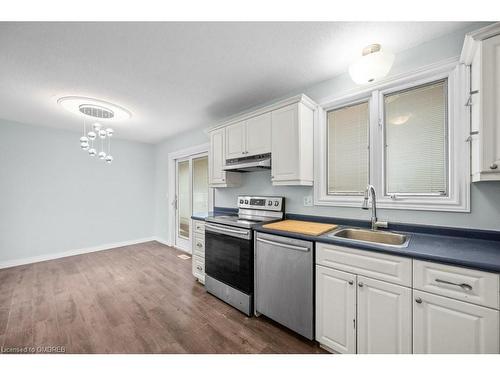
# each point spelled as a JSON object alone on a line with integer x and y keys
{"x": 249, "y": 163}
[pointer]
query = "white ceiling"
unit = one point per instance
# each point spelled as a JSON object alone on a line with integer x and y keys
{"x": 178, "y": 76}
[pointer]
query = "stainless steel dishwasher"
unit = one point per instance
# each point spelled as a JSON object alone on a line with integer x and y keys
{"x": 284, "y": 282}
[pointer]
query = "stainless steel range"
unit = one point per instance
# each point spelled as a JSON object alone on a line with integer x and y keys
{"x": 229, "y": 249}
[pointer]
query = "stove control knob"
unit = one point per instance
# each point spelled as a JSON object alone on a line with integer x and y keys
{"x": 241, "y": 201}
{"x": 276, "y": 203}
{"x": 246, "y": 201}
{"x": 269, "y": 203}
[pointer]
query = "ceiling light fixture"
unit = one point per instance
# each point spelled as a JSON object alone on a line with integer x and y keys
{"x": 372, "y": 65}
{"x": 102, "y": 111}
{"x": 90, "y": 107}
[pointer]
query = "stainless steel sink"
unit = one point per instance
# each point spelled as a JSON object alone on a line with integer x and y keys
{"x": 372, "y": 236}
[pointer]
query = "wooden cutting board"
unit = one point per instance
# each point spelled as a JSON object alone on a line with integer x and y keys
{"x": 302, "y": 227}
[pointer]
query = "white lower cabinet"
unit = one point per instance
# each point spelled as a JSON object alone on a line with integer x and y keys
{"x": 336, "y": 309}
{"x": 444, "y": 325}
{"x": 384, "y": 317}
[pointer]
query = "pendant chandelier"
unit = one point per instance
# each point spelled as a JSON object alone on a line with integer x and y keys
{"x": 96, "y": 137}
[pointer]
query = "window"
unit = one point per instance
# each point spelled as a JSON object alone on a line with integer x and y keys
{"x": 416, "y": 140}
{"x": 405, "y": 137}
{"x": 348, "y": 149}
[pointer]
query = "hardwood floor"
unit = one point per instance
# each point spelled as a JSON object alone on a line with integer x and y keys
{"x": 134, "y": 299}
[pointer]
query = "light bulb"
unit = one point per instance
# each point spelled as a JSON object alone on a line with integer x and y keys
{"x": 92, "y": 152}
{"x": 109, "y": 159}
{"x": 92, "y": 135}
{"x": 84, "y": 145}
{"x": 102, "y": 133}
{"x": 84, "y": 139}
{"x": 102, "y": 155}
{"x": 96, "y": 127}
{"x": 109, "y": 132}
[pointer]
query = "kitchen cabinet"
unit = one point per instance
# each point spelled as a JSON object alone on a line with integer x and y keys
{"x": 384, "y": 317}
{"x": 284, "y": 129}
{"x": 198, "y": 251}
{"x": 444, "y": 325}
{"x": 236, "y": 140}
{"x": 216, "y": 160}
{"x": 481, "y": 52}
{"x": 292, "y": 145}
{"x": 336, "y": 309}
{"x": 357, "y": 314}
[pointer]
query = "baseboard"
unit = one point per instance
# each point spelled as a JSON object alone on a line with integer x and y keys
{"x": 41, "y": 258}
{"x": 167, "y": 243}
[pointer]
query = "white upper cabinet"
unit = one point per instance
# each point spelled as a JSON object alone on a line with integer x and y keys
{"x": 236, "y": 140}
{"x": 481, "y": 52}
{"x": 284, "y": 129}
{"x": 292, "y": 145}
{"x": 258, "y": 140}
{"x": 216, "y": 160}
{"x": 249, "y": 138}
{"x": 446, "y": 326}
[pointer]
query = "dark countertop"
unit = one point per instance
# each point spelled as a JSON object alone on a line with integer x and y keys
{"x": 469, "y": 252}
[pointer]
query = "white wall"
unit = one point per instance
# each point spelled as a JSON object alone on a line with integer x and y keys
{"x": 485, "y": 197}
{"x": 55, "y": 198}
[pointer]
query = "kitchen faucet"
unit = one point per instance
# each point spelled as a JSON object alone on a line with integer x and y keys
{"x": 370, "y": 190}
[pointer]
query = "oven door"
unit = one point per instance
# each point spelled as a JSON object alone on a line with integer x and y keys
{"x": 229, "y": 256}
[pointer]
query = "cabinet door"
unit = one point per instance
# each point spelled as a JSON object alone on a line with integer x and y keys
{"x": 235, "y": 140}
{"x": 258, "y": 136}
{"x": 490, "y": 98}
{"x": 336, "y": 309}
{"x": 384, "y": 317}
{"x": 216, "y": 157}
{"x": 285, "y": 144}
{"x": 444, "y": 325}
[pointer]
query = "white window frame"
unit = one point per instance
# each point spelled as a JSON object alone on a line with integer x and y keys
{"x": 458, "y": 197}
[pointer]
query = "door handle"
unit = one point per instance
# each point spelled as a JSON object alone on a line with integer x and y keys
{"x": 280, "y": 244}
{"x": 462, "y": 285}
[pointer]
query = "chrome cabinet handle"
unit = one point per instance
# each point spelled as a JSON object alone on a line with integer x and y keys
{"x": 463, "y": 285}
{"x": 351, "y": 282}
{"x": 418, "y": 300}
{"x": 360, "y": 284}
{"x": 199, "y": 244}
{"x": 199, "y": 268}
{"x": 280, "y": 244}
{"x": 494, "y": 166}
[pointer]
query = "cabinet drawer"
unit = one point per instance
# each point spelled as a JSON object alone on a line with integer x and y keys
{"x": 199, "y": 245}
{"x": 199, "y": 227}
{"x": 379, "y": 266}
{"x": 479, "y": 287}
{"x": 199, "y": 267}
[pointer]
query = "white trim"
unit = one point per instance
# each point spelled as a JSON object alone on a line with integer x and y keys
{"x": 304, "y": 99}
{"x": 471, "y": 39}
{"x": 458, "y": 199}
{"x": 69, "y": 253}
{"x": 184, "y": 153}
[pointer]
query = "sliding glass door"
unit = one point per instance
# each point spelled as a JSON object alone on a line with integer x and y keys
{"x": 191, "y": 195}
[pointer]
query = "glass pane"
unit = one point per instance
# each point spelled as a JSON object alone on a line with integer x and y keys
{"x": 184, "y": 211}
{"x": 200, "y": 184}
{"x": 348, "y": 130}
{"x": 415, "y": 131}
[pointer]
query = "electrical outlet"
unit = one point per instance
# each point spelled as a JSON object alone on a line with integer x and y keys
{"x": 308, "y": 200}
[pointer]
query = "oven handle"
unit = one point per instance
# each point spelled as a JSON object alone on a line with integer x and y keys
{"x": 281, "y": 244}
{"x": 225, "y": 229}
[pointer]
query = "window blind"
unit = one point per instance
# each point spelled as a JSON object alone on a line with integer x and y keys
{"x": 415, "y": 140}
{"x": 348, "y": 131}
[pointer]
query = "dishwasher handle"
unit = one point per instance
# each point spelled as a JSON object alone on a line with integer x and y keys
{"x": 285, "y": 245}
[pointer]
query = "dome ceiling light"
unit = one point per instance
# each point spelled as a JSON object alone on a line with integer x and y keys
{"x": 373, "y": 65}
{"x": 96, "y": 110}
